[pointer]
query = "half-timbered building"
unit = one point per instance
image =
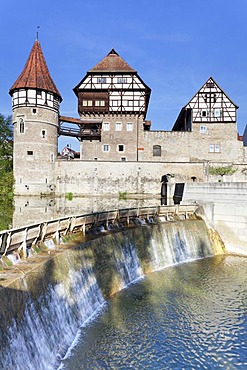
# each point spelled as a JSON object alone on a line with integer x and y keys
{"x": 113, "y": 92}
{"x": 210, "y": 105}
{"x": 205, "y": 130}
{"x": 112, "y": 127}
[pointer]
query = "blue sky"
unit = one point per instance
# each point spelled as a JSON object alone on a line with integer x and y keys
{"x": 175, "y": 45}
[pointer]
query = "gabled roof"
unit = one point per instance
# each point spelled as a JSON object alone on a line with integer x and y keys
{"x": 35, "y": 74}
{"x": 211, "y": 80}
{"x": 112, "y": 63}
{"x": 181, "y": 117}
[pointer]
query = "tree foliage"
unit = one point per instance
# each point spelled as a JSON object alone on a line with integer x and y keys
{"x": 6, "y": 155}
{"x": 221, "y": 171}
{"x": 6, "y": 171}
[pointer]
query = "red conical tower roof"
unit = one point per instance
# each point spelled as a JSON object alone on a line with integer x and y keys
{"x": 35, "y": 74}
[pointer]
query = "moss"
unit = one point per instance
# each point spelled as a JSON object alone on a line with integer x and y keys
{"x": 6, "y": 261}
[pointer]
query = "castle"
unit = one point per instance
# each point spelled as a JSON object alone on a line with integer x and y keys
{"x": 118, "y": 150}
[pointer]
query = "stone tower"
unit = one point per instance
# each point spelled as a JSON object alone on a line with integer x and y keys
{"x": 114, "y": 92}
{"x": 35, "y": 107}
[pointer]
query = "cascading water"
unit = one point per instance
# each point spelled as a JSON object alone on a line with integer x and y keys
{"x": 54, "y": 304}
{"x": 50, "y": 322}
{"x": 178, "y": 242}
{"x": 128, "y": 264}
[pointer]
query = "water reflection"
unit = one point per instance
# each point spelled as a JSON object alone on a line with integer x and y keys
{"x": 185, "y": 317}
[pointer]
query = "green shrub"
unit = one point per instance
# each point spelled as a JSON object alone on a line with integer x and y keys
{"x": 221, "y": 171}
{"x": 69, "y": 196}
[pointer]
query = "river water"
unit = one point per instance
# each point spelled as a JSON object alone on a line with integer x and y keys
{"x": 189, "y": 316}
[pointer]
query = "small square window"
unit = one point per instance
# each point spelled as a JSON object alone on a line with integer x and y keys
{"x": 101, "y": 80}
{"x": 204, "y": 113}
{"x": 118, "y": 126}
{"x": 217, "y": 113}
{"x": 106, "y": 148}
{"x": 123, "y": 159}
{"x": 99, "y": 103}
{"x": 129, "y": 126}
{"x": 156, "y": 150}
{"x": 203, "y": 129}
{"x": 29, "y": 152}
{"x": 214, "y": 148}
{"x": 120, "y": 147}
{"x": 211, "y": 148}
{"x": 106, "y": 126}
{"x": 87, "y": 103}
{"x": 122, "y": 80}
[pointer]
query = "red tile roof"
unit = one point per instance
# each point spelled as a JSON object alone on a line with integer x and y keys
{"x": 112, "y": 63}
{"x": 35, "y": 74}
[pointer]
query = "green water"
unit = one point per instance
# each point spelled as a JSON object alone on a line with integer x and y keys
{"x": 189, "y": 316}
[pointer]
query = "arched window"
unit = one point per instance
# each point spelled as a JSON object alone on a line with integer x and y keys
{"x": 156, "y": 150}
{"x": 21, "y": 123}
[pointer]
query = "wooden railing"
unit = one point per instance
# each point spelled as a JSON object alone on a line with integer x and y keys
{"x": 22, "y": 238}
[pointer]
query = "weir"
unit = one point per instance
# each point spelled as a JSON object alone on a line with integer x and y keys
{"x": 46, "y": 298}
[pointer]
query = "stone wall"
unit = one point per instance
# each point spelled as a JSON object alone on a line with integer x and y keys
{"x": 81, "y": 177}
{"x": 118, "y": 133}
{"x": 217, "y": 144}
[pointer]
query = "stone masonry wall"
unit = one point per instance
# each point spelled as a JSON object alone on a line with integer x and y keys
{"x": 194, "y": 146}
{"x": 81, "y": 177}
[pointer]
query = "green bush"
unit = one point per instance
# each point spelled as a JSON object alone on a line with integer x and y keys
{"x": 221, "y": 171}
{"x": 69, "y": 196}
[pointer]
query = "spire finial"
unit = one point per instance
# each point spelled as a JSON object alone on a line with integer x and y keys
{"x": 37, "y": 34}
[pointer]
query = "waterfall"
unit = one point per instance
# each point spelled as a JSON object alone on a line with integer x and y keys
{"x": 42, "y": 312}
{"x": 50, "y": 322}
{"x": 128, "y": 264}
{"x": 178, "y": 242}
